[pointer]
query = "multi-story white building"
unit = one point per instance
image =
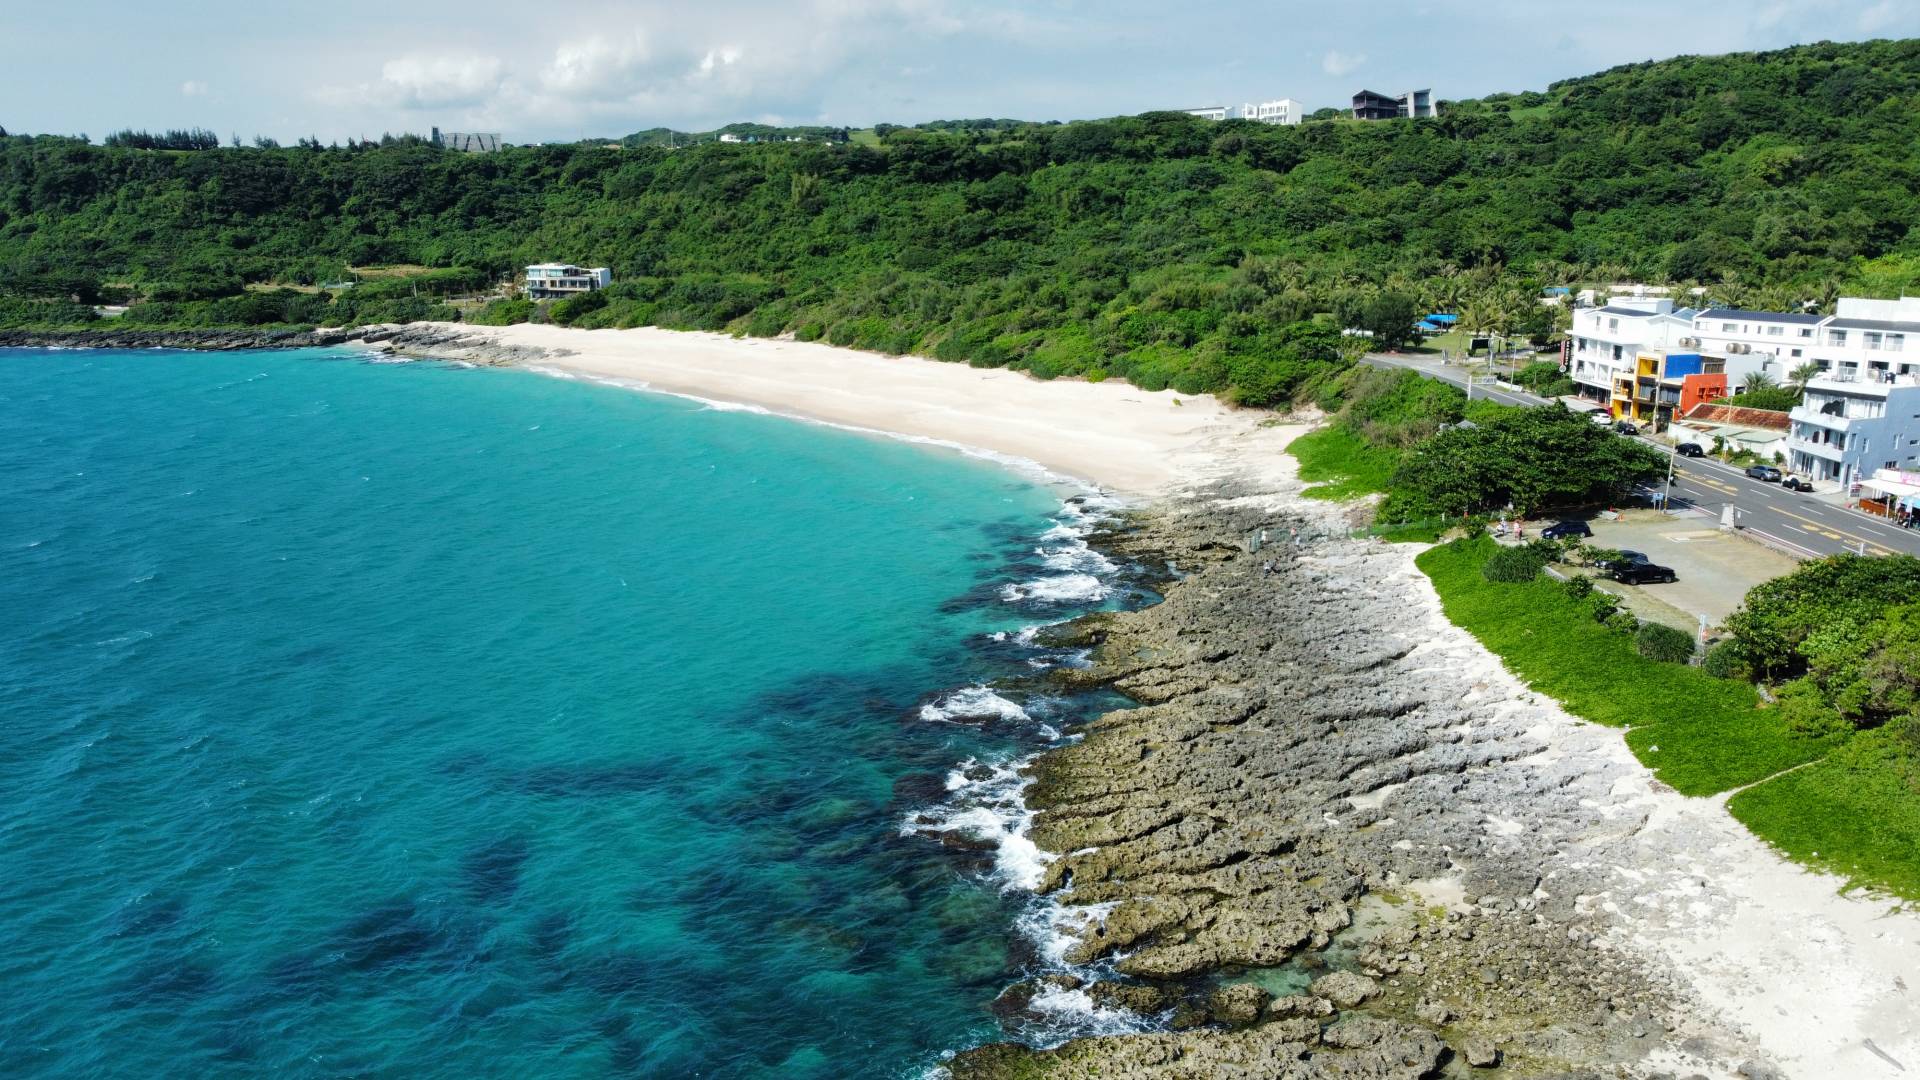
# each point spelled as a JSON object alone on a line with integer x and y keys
{"x": 1862, "y": 414}
{"x": 1208, "y": 112}
{"x": 1279, "y": 111}
{"x": 1634, "y": 354}
{"x": 557, "y": 281}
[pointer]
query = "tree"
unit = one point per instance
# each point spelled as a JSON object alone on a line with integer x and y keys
{"x": 1532, "y": 458}
{"x": 1389, "y": 316}
{"x": 1800, "y": 376}
{"x": 1778, "y": 616}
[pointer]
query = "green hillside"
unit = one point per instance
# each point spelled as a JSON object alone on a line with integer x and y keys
{"x": 1162, "y": 248}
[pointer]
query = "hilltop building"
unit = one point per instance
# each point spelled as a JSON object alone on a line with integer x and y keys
{"x": 1413, "y": 104}
{"x": 1278, "y": 111}
{"x": 557, "y": 281}
{"x": 470, "y": 142}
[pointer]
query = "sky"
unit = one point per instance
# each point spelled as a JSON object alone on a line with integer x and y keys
{"x": 543, "y": 70}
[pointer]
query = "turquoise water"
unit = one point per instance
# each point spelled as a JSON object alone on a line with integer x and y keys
{"x": 407, "y": 720}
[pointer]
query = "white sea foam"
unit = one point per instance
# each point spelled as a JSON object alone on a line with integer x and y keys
{"x": 984, "y": 803}
{"x": 1058, "y": 589}
{"x": 1075, "y": 555}
{"x": 972, "y": 703}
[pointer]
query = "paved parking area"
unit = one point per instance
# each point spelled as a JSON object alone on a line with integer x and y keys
{"x": 1715, "y": 569}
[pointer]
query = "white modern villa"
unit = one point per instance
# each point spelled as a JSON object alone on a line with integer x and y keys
{"x": 557, "y": 281}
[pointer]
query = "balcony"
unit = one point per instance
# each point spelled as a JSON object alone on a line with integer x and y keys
{"x": 1802, "y": 414}
{"x": 1823, "y": 450}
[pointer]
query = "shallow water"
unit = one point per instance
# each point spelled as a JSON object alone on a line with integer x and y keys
{"x": 375, "y": 719}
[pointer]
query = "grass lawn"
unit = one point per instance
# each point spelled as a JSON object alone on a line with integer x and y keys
{"x": 1342, "y": 465}
{"x": 1856, "y": 814}
{"x": 1855, "y": 811}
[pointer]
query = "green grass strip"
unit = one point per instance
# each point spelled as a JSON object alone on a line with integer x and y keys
{"x": 1341, "y": 464}
{"x": 1854, "y": 812}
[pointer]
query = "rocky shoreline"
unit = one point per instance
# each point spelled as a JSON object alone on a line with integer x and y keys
{"x": 419, "y": 341}
{"x": 1328, "y": 842}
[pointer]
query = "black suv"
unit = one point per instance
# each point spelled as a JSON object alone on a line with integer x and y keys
{"x": 1561, "y": 530}
{"x": 1795, "y": 483}
{"x": 1764, "y": 472}
{"x": 1689, "y": 449}
{"x": 1626, "y": 427}
{"x": 1640, "y": 573}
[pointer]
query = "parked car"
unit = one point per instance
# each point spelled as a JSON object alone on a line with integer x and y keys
{"x": 1561, "y": 530}
{"x": 1689, "y": 449}
{"x": 1640, "y": 573}
{"x": 1797, "y": 483}
{"x": 1626, "y": 427}
{"x": 1764, "y": 472}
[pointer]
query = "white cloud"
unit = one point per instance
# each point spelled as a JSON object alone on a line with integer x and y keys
{"x": 434, "y": 82}
{"x": 597, "y": 65}
{"x": 1337, "y": 63}
{"x": 193, "y": 88}
{"x": 1879, "y": 17}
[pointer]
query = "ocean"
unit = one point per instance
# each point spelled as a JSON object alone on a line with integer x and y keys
{"x": 406, "y": 719}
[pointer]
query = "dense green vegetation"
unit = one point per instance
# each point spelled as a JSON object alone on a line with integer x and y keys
{"x": 1439, "y": 456}
{"x": 1159, "y": 248}
{"x": 1854, "y": 809}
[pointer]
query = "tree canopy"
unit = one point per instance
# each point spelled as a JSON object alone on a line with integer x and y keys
{"x": 1146, "y": 247}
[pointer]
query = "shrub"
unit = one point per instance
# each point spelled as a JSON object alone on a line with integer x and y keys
{"x": 1622, "y": 622}
{"x": 1513, "y": 565}
{"x": 1578, "y": 587}
{"x": 1804, "y": 708}
{"x": 1727, "y": 660}
{"x": 1657, "y": 641}
{"x": 1602, "y": 606}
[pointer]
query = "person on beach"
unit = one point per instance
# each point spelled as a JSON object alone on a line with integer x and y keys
{"x": 1267, "y": 567}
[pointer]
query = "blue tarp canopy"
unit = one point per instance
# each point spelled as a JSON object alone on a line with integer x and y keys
{"x": 1442, "y": 320}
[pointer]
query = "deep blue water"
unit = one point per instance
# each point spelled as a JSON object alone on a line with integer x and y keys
{"x": 409, "y": 720}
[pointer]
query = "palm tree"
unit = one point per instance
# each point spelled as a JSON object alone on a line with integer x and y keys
{"x": 1798, "y": 377}
{"x": 1758, "y": 382}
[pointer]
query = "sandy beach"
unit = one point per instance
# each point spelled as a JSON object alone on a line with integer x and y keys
{"x": 1771, "y": 959}
{"x": 1110, "y": 434}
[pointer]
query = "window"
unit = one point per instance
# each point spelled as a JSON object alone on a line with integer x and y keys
{"x": 1896, "y": 342}
{"x": 1836, "y": 337}
{"x": 1613, "y": 324}
{"x": 1806, "y": 331}
{"x": 1872, "y": 339}
{"x": 1796, "y": 353}
{"x": 1775, "y": 331}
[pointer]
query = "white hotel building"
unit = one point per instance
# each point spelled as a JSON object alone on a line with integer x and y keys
{"x": 1613, "y": 347}
{"x": 1862, "y": 415}
{"x": 1278, "y": 111}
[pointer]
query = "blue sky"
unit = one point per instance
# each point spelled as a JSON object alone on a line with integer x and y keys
{"x": 561, "y": 69}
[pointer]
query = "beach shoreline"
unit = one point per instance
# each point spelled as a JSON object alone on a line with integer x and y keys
{"x": 1113, "y": 436}
{"x": 1518, "y": 816}
{"x": 1752, "y": 958}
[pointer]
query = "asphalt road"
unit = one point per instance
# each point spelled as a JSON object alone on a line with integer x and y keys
{"x": 1796, "y": 521}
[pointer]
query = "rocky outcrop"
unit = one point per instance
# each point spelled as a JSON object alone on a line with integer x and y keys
{"x": 138, "y": 338}
{"x": 1305, "y": 765}
{"x": 439, "y": 341}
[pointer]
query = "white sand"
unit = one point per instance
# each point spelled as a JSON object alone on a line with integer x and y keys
{"x": 1110, "y": 434}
